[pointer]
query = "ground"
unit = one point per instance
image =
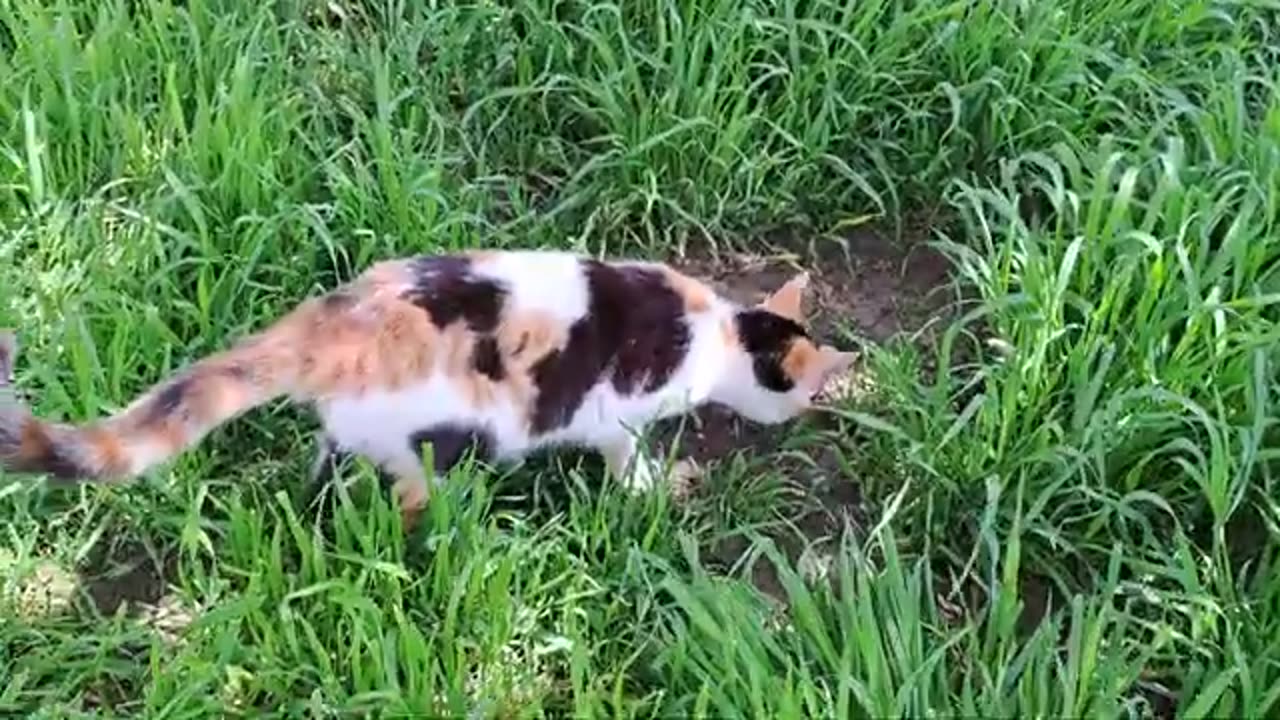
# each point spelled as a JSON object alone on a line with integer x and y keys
{"x": 1046, "y": 490}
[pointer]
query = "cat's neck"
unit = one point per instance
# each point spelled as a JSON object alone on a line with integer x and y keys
{"x": 713, "y": 353}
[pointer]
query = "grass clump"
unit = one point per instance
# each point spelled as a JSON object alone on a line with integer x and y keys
{"x": 1071, "y": 484}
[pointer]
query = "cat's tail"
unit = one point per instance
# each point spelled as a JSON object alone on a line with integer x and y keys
{"x": 164, "y": 421}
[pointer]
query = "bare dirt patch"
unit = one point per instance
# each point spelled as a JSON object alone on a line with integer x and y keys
{"x": 863, "y": 280}
{"x": 865, "y": 287}
{"x": 136, "y": 579}
{"x": 130, "y": 575}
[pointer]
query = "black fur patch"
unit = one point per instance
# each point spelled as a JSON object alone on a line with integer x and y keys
{"x": 54, "y": 459}
{"x": 635, "y": 331}
{"x": 62, "y": 466}
{"x": 171, "y": 398}
{"x": 449, "y": 443}
{"x": 767, "y": 337}
{"x": 446, "y": 289}
{"x": 168, "y": 400}
{"x": 487, "y": 360}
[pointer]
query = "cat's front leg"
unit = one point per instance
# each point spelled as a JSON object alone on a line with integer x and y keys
{"x": 627, "y": 463}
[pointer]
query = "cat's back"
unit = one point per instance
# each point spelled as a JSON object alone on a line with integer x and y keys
{"x": 524, "y": 345}
{"x": 545, "y": 283}
{"x": 553, "y": 318}
{"x": 559, "y": 285}
{"x": 483, "y": 323}
{"x": 496, "y": 293}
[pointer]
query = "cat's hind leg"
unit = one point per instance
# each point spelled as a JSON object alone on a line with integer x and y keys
{"x": 330, "y": 460}
{"x": 324, "y": 468}
{"x": 401, "y": 468}
{"x": 449, "y": 445}
{"x": 412, "y": 490}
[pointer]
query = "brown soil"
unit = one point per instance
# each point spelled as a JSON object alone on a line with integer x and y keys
{"x": 862, "y": 280}
{"x": 129, "y": 575}
{"x": 863, "y": 286}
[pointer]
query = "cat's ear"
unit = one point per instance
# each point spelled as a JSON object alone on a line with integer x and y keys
{"x": 788, "y": 300}
{"x": 833, "y": 363}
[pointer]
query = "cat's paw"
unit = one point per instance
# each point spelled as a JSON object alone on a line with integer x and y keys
{"x": 684, "y": 477}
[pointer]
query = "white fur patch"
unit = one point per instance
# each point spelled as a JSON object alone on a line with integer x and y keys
{"x": 379, "y": 424}
{"x": 542, "y": 282}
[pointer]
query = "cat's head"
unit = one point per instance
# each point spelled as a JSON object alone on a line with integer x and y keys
{"x": 775, "y": 370}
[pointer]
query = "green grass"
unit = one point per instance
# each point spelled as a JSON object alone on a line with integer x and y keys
{"x": 1098, "y": 428}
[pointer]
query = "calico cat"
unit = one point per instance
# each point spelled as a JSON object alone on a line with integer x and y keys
{"x": 500, "y": 352}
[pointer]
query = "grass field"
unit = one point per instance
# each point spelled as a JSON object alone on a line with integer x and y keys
{"x": 1067, "y": 501}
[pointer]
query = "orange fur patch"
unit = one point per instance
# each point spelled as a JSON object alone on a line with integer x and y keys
{"x": 380, "y": 341}
{"x": 524, "y": 338}
{"x": 404, "y": 342}
{"x": 696, "y": 295}
{"x": 388, "y": 276}
{"x": 413, "y": 495}
{"x": 35, "y": 444}
{"x": 802, "y": 357}
{"x": 172, "y": 435}
{"x": 109, "y": 449}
